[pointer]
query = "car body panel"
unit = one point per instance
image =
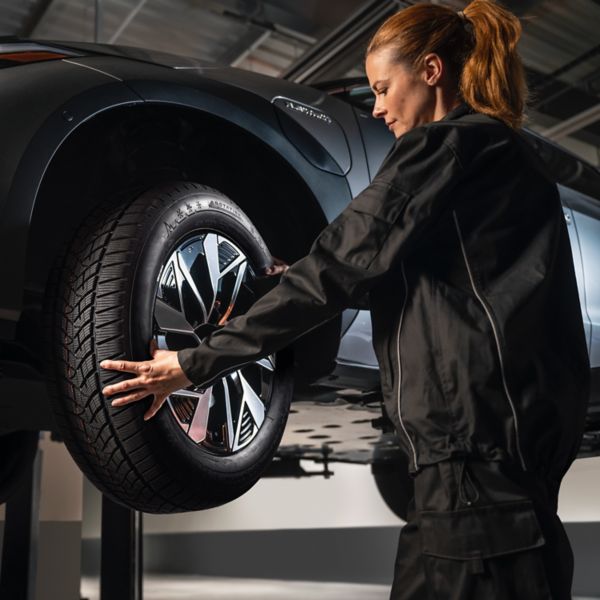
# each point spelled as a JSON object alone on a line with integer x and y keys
{"x": 42, "y": 116}
{"x": 586, "y": 217}
{"x": 235, "y": 88}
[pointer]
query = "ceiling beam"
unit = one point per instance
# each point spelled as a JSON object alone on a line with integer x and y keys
{"x": 573, "y": 124}
{"x": 126, "y": 21}
{"x": 545, "y": 81}
{"x": 344, "y": 37}
{"x": 257, "y": 42}
{"x": 35, "y": 17}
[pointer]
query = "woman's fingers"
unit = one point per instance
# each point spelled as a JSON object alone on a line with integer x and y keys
{"x": 123, "y": 386}
{"x": 130, "y": 398}
{"x": 278, "y": 266}
{"x": 121, "y": 365}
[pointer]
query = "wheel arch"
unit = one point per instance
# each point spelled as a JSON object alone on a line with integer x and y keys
{"x": 291, "y": 177}
{"x": 137, "y": 146}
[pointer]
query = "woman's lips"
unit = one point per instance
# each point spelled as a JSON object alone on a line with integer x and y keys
{"x": 390, "y": 125}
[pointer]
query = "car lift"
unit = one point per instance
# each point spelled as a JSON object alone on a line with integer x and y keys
{"x": 121, "y": 557}
{"x": 121, "y": 567}
{"x": 21, "y": 533}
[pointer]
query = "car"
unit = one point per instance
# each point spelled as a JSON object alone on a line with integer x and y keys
{"x": 142, "y": 196}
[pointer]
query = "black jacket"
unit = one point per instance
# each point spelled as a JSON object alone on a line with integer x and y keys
{"x": 461, "y": 245}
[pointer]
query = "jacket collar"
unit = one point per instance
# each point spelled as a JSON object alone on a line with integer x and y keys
{"x": 462, "y": 109}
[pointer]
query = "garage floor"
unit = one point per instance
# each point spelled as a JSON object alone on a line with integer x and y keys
{"x": 184, "y": 587}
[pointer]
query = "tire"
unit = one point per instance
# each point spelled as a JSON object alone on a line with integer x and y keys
{"x": 17, "y": 452}
{"x": 394, "y": 484}
{"x": 132, "y": 272}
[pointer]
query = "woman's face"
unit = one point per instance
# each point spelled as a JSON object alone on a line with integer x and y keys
{"x": 403, "y": 98}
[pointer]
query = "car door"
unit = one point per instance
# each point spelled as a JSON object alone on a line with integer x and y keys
{"x": 584, "y": 210}
{"x": 568, "y": 198}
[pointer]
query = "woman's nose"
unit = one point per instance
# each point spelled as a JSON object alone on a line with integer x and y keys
{"x": 378, "y": 111}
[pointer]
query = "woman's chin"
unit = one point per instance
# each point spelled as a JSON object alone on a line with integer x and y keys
{"x": 399, "y": 130}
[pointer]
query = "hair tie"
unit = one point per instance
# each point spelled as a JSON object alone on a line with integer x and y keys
{"x": 467, "y": 24}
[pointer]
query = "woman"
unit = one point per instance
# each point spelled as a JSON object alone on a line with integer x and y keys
{"x": 460, "y": 243}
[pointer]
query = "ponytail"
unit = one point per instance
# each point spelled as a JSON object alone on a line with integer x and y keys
{"x": 493, "y": 79}
{"x": 478, "y": 47}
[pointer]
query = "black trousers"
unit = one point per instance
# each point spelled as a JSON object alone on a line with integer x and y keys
{"x": 481, "y": 530}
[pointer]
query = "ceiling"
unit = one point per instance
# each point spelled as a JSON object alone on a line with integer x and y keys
{"x": 560, "y": 45}
{"x": 265, "y": 36}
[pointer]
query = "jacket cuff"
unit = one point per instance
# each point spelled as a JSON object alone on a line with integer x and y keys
{"x": 190, "y": 365}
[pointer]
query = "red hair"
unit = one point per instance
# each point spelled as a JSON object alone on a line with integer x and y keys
{"x": 479, "y": 51}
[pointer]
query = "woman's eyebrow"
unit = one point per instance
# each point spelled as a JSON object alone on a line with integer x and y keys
{"x": 377, "y": 83}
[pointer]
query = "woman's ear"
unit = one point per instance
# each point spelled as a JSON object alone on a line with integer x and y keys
{"x": 433, "y": 68}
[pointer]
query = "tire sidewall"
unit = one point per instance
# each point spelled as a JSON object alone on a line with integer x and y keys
{"x": 192, "y": 209}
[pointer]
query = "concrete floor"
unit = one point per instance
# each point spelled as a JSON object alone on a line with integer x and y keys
{"x": 182, "y": 587}
{"x": 186, "y": 587}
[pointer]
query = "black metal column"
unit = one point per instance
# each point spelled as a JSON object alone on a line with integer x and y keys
{"x": 21, "y": 535}
{"x": 121, "y": 567}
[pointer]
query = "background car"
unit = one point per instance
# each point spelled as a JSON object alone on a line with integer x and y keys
{"x": 142, "y": 195}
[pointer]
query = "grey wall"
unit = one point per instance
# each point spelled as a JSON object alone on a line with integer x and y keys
{"x": 354, "y": 555}
{"x": 312, "y": 529}
{"x": 58, "y": 564}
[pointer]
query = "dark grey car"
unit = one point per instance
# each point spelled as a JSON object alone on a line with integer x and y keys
{"x": 142, "y": 195}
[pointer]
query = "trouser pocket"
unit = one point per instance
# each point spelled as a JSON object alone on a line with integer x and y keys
{"x": 490, "y": 552}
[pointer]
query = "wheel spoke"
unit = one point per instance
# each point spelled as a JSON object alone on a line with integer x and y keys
{"x": 161, "y": 341}
{"x": 252, "y": 401}
{"x": 192, "y": 415}
{"x": 170, "y": 319}
{"x": 230, "y": 430}
{"x": 197, "y": 430}
{"x": 241, "y": 259}
{"x": 171, "y": 279}
{"x": 266, "y": 362}
{"x": 187, "y": 276}
{"x": 211, "y": 256}
{"x": 236, "y": 288}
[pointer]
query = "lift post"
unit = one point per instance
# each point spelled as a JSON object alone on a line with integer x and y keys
{"x": 121, "y": 556}
{"x": 21, "y": 535}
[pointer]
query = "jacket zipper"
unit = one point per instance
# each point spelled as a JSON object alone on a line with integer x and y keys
{"x": 400, "y": 365}
{"x": 496, "y": 337}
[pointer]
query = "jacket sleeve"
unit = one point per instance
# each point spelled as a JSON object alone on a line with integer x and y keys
{"x": 378, "y": 228}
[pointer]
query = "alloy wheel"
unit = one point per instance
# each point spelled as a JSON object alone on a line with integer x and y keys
{"x": 206, "y": 281}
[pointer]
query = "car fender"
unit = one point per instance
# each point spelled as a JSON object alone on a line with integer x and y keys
{"x": 254, "y": 114}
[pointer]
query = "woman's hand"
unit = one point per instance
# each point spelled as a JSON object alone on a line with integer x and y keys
{"x": 158, "y": 377}
{"x": 278, "y": 266}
